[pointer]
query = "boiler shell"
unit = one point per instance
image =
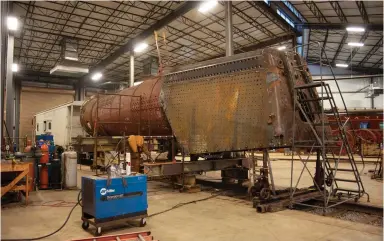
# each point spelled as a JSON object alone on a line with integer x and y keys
{"x": 132, "y": 111}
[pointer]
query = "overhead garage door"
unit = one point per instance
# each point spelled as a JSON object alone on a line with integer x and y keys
{"x": 34, "y": 100}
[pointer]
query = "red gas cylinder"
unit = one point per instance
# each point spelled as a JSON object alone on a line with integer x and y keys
{"x": 44, "y": 169}
{"x": 31, "y": 161}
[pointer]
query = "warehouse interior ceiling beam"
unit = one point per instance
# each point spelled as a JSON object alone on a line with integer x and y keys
{"x": 104, "y": 31}
{"x": 371, "y": 52}
{"x": 283, "y": 6}
{"x": 363, "y": 11}
{"x": 270, "y": 11}
{"x": 186, "y": 7}
{"x": 261, "y": 45}
{"x": 339, "y": 26}
{"x": 341, "y": 45}
{"x": 250, "y": 21}
{"x": 357, "y": 68}
{"x": 356, "y": 49}
{"x": 316, "y": 11}
{"x": 339, "y": 11}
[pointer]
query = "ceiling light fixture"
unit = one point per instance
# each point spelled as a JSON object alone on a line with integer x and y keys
{"x": 71, "y": 58}
{"x": 281, "y": 48}
{"x": 206, "y": 6}
{"x": 342, "y": 65}
{"x": 355, "y": 29}
{"x": 15, "y": 67}
{"x": 356, "y": 44}
{"x": 12, "y": 23}
{"x": 96, "y": 76}
{"x": 140, "y": 47}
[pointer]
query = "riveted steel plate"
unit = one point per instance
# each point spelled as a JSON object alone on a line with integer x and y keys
{"x": 232, "y": 105}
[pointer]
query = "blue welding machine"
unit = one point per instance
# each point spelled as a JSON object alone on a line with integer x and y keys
{"x": 107, "y": 200}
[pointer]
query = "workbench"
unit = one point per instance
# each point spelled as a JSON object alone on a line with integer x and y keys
{"x": 22, "y": 170}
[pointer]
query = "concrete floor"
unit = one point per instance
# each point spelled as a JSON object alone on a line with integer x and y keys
{"x": 219, "y": 218}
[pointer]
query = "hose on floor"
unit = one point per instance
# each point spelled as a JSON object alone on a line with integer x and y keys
{"x": 79, "y": 199}
{"x": 57, "y": 230}
{"x": 213, "y": 195}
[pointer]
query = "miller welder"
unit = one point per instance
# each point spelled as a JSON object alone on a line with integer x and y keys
{"x": 108, "y": 201}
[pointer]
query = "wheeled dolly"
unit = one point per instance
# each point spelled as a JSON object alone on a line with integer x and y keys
{"x": 100, "y": 224}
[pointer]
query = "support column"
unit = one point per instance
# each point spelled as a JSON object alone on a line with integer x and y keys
{"x": 17, "y": 112}
{"x": 299, "y": 42}
{"x": 79, "y": 90}
{"x": 372, "y": 98}
{"x": 305, "y": 41}
{"x": 228, "y": 29}
{"x": 10, "y": 89}
{"x": 294, "y": 42}
{"x": 131, "y": 69}
{"x": 2, "y": 63}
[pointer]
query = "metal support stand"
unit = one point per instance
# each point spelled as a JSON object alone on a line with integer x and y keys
{"x": 270, "y": 171}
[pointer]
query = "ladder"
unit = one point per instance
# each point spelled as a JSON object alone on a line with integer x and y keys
{"x": 311, "y": 107}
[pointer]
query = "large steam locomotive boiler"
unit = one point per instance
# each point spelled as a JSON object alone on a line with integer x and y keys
{"x": 232, "y": 103}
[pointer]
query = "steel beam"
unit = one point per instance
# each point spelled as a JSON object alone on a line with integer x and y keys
{"x": 339, "y": 11}
{"x": 169, "y": 169}
{"x": 186, "y": 7}
{"x": 282, "y": 5}
{"x": 371, "y": 52}
{"x": 79, "y": 90}
{"x": 325, "y": 42}
{"x": 309, "y": 41}
{"x": 228, "y": 29}
{"x": 272, "y": 15}
{"x": 131, "y": 69}
{"x": 378, "y": 64}
{"x": 3, "y": 66}
{"x": 17, "y": 110}
{"x": 10, "y": 89}
{"x": 372, "y": 98}
{"x": 236, "y": 30}
{"x": 367, "y": 70}
{"x": 341, "y": 45}
{"x": 338, "y": 26}
{"x": 356, "y": 49}
{"x": 316, "y": 11}
{"x": 363, "y": 12}
{"x": 252, "y": 22}
{"x": 258, "y": 45}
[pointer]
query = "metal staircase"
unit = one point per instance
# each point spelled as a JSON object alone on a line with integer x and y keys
{"x": 329, "y": 179}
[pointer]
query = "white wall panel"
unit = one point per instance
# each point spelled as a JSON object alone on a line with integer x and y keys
{"x": 347, "y": 87}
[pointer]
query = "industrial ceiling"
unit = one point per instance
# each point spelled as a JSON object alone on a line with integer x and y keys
{"x": 104, "y": 30}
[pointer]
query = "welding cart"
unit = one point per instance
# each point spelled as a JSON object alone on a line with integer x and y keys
{"x": 112, "y": 201}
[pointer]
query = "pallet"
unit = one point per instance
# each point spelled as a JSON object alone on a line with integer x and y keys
{"x": 22, "y": 169}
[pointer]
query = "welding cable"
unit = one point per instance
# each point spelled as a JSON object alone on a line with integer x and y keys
{"x": 185, "y": 203}
{"x": 79, "y": 199}
{"x": 50, "y": 234}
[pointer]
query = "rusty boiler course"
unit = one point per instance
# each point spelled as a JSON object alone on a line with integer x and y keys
{"x": 233, "y": 103}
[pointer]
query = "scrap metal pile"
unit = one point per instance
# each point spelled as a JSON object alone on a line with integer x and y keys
{"x": 233, "y": 103}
